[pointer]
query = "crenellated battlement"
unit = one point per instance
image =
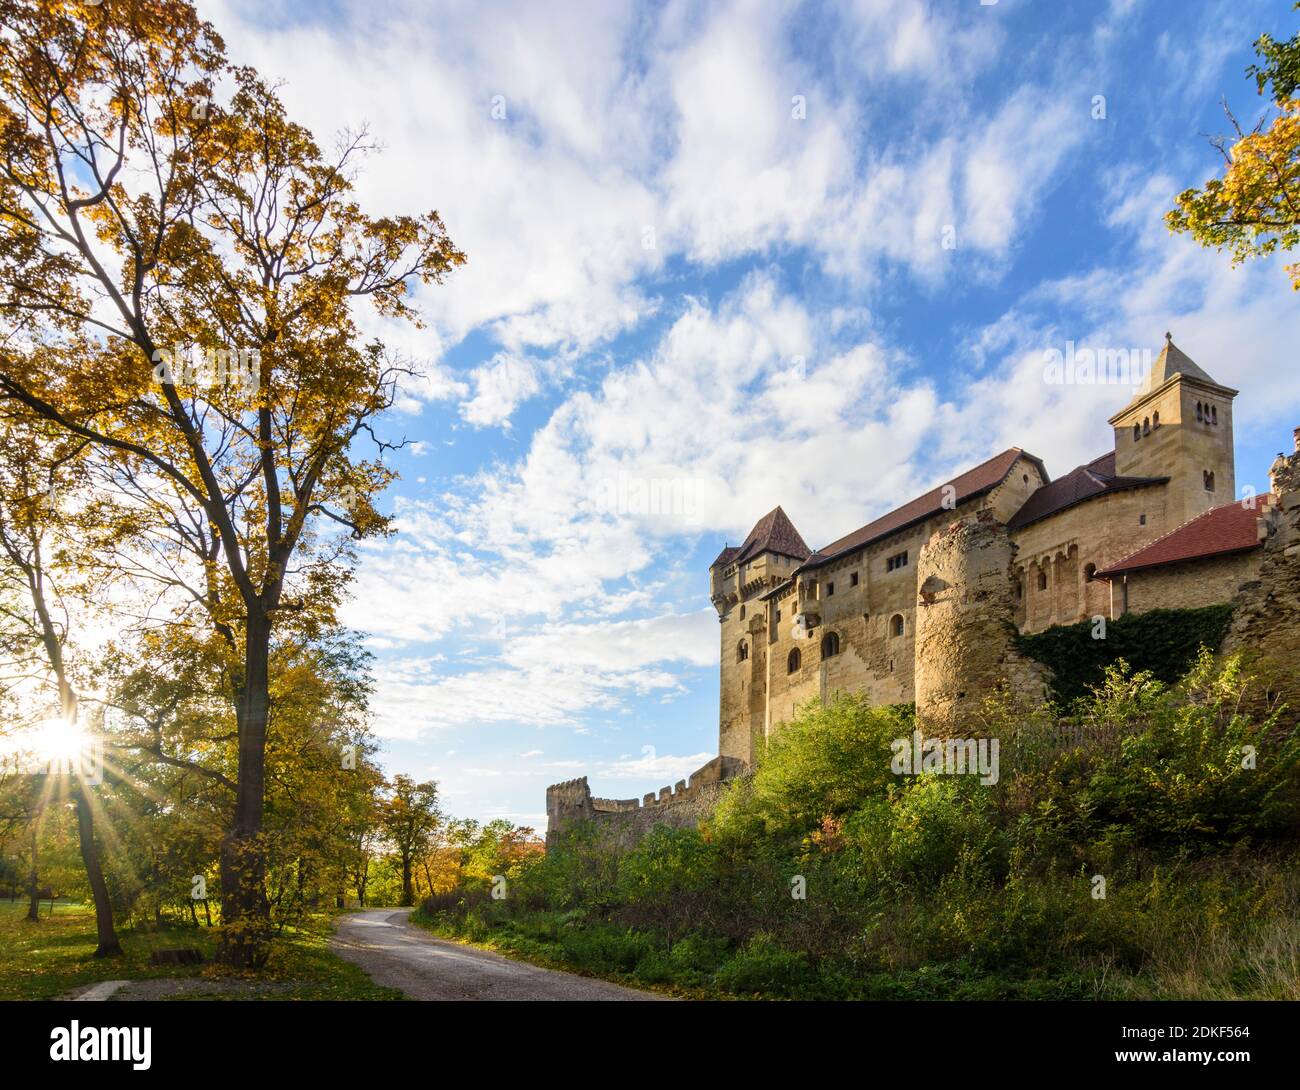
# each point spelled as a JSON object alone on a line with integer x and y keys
{"x": 681, "y": 804}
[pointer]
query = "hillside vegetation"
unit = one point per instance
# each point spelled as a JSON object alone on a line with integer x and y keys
{"x": 1147, "y": 847}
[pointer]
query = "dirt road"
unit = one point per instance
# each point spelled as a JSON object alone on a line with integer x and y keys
{"x": 397, "y": 954}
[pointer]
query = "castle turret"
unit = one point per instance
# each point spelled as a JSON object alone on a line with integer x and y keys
{"x": 1179, "y": 425}
{"x": 964, "y": 622}
{"x": 767, "y": 557}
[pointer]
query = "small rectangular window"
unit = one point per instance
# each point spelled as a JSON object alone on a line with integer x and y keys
{"x": 830, "y": 589}
{"x": 853, "y": 579}
{"x": 1142, "y": 520}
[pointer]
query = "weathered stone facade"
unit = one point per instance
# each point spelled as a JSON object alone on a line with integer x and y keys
{"x": 922, "y": 605}
{"x": 1266, "y": 618}
{"x": 625, "y": 821}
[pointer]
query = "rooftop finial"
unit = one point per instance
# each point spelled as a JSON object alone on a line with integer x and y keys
{"x": 1169, "y": 337}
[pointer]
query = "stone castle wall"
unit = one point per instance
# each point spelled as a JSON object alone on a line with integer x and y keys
{"x": 969, "y": 586}
{"x": 964, "y": 623}
{"x": 625, "y": 821}
{"x": 1266, "y": 618}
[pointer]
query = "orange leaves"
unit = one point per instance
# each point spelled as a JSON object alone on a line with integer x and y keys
{"x": 1254, "y": 209}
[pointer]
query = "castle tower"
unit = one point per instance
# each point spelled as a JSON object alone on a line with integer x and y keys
{"x": 1179, "y": 425}
{"x": 964, "y": 623}
{"x": 766, "y": 558}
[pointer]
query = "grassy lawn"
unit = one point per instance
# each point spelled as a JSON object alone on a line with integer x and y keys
{"x": 47, "y": 959}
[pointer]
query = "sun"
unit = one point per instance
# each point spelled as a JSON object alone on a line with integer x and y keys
{"x": 56, "y": 742}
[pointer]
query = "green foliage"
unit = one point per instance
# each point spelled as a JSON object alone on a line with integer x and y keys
{"x": 934, "y": 886}
{"x": 823, "y": 762}
{"x": 1163, "y": 642}
{"x": 1281, "y": 68}
{"x": 764, "y": 967}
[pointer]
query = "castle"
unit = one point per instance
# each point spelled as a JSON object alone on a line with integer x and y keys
{"x": 919, "y": 605}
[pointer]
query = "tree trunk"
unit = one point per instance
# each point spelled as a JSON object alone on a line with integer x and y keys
{"x": 33, "y": 889}
{"x": 108, "y": 945}
{"x": 408, "y": 896}
{"x": 245, "y": 913}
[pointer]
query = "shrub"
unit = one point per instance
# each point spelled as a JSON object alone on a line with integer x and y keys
{"x": 763, "y": 967}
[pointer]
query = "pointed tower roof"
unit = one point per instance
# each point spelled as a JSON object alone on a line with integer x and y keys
{"x": 773, "y": 533}
{"x": 1172, "y": 361}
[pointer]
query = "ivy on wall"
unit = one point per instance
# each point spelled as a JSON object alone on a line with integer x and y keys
{"x": 1163, "y": 641}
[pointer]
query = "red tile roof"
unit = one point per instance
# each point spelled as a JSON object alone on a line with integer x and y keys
{"x": 974, "y": 482}
{"x": 773, "y": 533}
{"x": 1097, "y": 478}
{"x": 1232, "y": 528}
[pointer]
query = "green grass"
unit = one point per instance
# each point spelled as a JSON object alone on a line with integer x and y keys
{"x": 52, "y": 957}
{"x": 701, "y": 968}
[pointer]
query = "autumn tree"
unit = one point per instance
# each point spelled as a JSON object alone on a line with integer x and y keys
{"x": 36, "y": 472}
{"x": 410, "y": 818}
{"x": 177, "y": 740}
{"x": 180, "y": 267}
{"x": 1253, "y": 210}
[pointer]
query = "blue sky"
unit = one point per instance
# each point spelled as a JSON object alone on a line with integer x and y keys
{"x": 729, "y": 255}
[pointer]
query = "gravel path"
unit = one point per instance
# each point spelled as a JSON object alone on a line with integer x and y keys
{"x": 397, "y": 954}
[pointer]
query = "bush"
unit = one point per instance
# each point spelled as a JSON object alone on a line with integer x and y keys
{"x": 763, "y": 967}
{"x": 935, "y": 886}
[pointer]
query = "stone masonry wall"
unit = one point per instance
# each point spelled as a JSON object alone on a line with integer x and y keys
{"x": 964, "y": 623}
{"x": 625, "y": 821}
{"x": 1266, "y": 621}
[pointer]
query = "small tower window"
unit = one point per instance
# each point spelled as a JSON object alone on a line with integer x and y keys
{"x": 1200, "y": 412}
{"x": 792, "y": 663}
{"x": 1089, "y": 573}
{"x": 1142, "y": 520}
{"x": 742, "y": 613}
{"x": 1042, "y": 579}
{"x": 1207, "y": 476}
{"x": 1155, "y": 420}
{"x": 1146, "y": 426}
{"x": 1214, "y": 414}
{"x": 830, "y": 645}
{"x": 742, "y": 652}
{"x": 1137, "y": 432}
{"x": 896, "y": 627}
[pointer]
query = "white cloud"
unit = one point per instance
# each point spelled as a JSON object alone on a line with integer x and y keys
{"x": 499, "y": 387}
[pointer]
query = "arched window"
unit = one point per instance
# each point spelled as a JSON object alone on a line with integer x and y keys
{"x": 1089, "y": 572}
{"x": 742, "y": 613}
{"x": 896, "y": 627}
{"x": 742, "y": 651}
{"x": 1146, "y": 426}
{"x": 1137, "y": 432}
{"x": 1214, "y": 414}
{"x": 1020, "y": 589}
{"x": 1200, "y": 412}
{"x": 1042, "y": 579}
{"x": 830, "y": 645}
{"x": 1155, "y": 420}
{"x": 792, "y": 663}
